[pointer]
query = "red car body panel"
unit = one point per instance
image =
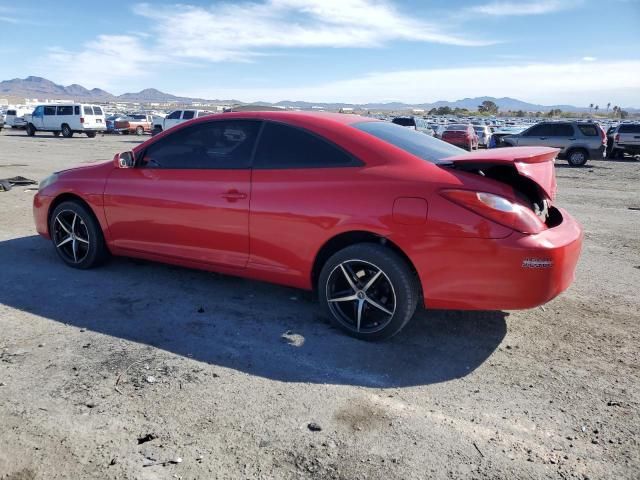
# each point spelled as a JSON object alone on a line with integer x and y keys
{"x": 271, "y": 224}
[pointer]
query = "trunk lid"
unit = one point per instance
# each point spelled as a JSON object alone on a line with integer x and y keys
{"x": 533, "y": 163}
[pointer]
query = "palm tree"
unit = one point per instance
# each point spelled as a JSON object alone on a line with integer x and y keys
{"x": 590, "y": 107}
{"x": 596, "y": 109}
{"x": 608, "y": 105}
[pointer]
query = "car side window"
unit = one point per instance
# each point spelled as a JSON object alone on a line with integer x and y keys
{"x": 65, "y": 110}
{"x": 49, "y": 110}
{"x": 188, "y": 114}
{"x": 37, "y": 112}
{"x": 588, "y": 130}
{"x": 562, "y": 130}
{"x": 212, "y": 145}
{"x": 284, "y": 146}
{"x": 541, "y": 130}
{"x": 175, "y": 115}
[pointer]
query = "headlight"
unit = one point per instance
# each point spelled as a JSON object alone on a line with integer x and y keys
{"x": 47, "y": 181}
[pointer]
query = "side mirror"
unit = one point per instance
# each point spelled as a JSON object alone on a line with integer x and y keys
{"x": 125, "y": 160}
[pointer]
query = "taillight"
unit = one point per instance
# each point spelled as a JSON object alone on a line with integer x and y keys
{"x": 617, "y": 137}
{"x": 498, "y": 209}
{"x": 81, "y": 119}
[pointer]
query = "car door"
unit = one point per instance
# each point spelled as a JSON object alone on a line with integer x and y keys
{"x": 49, "y": 120}
{"x": 561, "y": 136}
{"x": 188, "y": 195}
{"x": 538, "y": 135}
{"x": 37, "y": 117}
{"x": 172, "y": 119}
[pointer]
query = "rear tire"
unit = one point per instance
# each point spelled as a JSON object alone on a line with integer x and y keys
{"x": 139, "y": 131}
{"x": 66, "y": 131}
{"x": 156, "y": 131}
{"x": 577, "y": 157}
{"x": 376, "y": 287}
{"x": 56, "y": 134}
{"x": 91, "y": 134}
{"x": 30, "y": 129}
{"x": 77, "y": 236}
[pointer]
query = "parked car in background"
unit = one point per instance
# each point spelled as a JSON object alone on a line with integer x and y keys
{"x": 66, "y": 118}
{"x": 425, "y": 212}
{"x": 416, "y": 123}
{"x": 176, "y": 118}
{"x": 461, "y": 135}
{"x": 110, "y": 122}
{"x": 1, "y": 122}
{"x": 484, "y": 135}
{"x": 15, "y": 116}
{"x": 498, "y": 135}
{"x": 577, "y": 141}
{"x": 134, "y": 123}
{"x": 626, "y": 139}
{"x": 610, "y": 133}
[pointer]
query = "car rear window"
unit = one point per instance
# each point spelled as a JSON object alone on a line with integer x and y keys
{"x": 404, "y": 122}
{"x": 457, "y": 128}
{"x": 416, "y": 143}
{"x": 629, "y": 129}
{"x": 87, "y": 110}
{"x": 588, "y": 130}
{"x": 11, "y": 112}
{"x": 97, "y": 110}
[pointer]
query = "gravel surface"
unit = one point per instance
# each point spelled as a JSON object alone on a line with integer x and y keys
{"x": 142, "y": 370}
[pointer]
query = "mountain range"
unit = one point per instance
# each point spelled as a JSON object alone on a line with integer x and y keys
{"x": 41, "y": 88}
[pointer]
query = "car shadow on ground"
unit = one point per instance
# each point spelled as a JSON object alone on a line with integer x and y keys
{"x": 238, "y": 323}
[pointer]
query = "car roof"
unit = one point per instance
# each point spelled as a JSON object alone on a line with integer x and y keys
{"x": 322, "y": 117}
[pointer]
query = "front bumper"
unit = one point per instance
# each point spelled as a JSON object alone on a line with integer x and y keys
{"x": 41, "y": 205}
{"x": 516, "y": 272}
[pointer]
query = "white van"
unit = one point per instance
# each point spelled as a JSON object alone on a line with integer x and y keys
{"x": 15, "y": 116}
{"x": 66, "y": 118}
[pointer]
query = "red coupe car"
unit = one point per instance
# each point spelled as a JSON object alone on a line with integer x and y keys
{"x": 376, "y": 218}
{"x": 461, "y": 135}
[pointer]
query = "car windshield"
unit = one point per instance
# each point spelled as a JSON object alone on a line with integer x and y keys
{"x": 457, "y": 128}
{"x": 412, "y": 141}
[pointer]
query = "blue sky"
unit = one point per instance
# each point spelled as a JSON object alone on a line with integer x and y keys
{"x": 545, "y": 51}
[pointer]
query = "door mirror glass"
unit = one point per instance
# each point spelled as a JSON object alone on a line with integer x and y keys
{"x": 126, "y": 160}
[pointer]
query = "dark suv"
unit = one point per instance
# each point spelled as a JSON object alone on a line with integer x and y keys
{"x": 577, "y": 141}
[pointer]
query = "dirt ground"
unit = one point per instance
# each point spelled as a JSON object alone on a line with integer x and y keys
{"x": 147, "y": 371}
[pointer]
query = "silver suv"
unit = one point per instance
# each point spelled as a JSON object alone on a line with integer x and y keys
{"x": 626, "y": 139}
{"x": 577, "y": 141}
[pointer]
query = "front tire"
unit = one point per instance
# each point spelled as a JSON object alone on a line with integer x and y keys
{"x": 56, "y": 134}
{"x": 77, "y": 236}
{"x": 66, "y": 131}
{"x": 368, "y": 291}
{"x": 31, "y": 130}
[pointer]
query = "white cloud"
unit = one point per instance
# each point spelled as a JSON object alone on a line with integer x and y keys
{"x": 589, "y": 59}
{"x": 103, "y": 62}
{"x": 232, "y": 31}
{"x": 546, "y": 83}
{"x": 540, "y": 7}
